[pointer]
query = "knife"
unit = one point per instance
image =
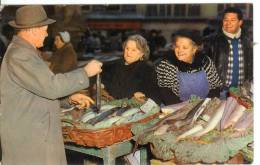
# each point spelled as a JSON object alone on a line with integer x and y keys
{"x": 98, "y": 95}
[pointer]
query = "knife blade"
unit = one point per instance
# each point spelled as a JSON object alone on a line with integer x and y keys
{"x": 98, "y": 94}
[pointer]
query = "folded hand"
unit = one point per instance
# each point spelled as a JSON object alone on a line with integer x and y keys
{"x": 139, "y": 96}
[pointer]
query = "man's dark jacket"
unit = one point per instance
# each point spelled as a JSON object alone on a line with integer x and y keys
{"x": 216, "y": 46}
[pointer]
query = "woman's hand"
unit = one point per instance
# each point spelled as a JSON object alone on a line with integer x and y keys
{"x": 81, "y": 101}
{"x": 139, "y": 96}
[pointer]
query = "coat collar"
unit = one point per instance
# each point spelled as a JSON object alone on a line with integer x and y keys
{"x": 232, "y": 36}
{"x": 220, "y": 34}
{"x": 23, "y": 43}
{"x": 197, "y": 63}
{"x": 132, "y": 65}
{"x": 20, "y": 41}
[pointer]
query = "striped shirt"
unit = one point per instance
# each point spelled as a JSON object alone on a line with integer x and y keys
{"x": 167, "y": 74}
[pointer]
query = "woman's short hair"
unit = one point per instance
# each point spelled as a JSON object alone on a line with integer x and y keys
{"x": 141, "y": 44}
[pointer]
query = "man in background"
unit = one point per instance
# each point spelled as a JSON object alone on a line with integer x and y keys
{"x": 231, "y": 50}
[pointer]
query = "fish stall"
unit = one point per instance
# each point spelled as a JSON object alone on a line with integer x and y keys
{"x": 107, "y": 134}
{"x": 104, "y": 129}
{"x": 202, "y": 130}
{"x": 111, "y": 125}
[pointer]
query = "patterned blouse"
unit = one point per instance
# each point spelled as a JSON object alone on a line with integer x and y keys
{"x": 167, "y": 71}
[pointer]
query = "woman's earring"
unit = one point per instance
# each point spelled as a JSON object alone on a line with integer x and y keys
{"x": 142, "y": 58}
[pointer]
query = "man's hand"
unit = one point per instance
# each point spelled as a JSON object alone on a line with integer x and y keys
{"x": 81, "y": 101}
{"x": 93, "y": 68}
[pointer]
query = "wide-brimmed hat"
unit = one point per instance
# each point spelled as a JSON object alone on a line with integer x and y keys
{"x": 30, "y": 16}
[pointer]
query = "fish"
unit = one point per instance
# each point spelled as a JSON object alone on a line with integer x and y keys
{"x": 205, "y": 118}
{"x": 172, "y": 108}
{"x": 190, "y": 132}
{"x": 122, "y": 110}
{"x": 230, "y": 107}
{"x": 188, "y": 110}
{"x": 213, "y": 120}
{"x": 200, "y": 110}
{"x": 178, "y": 124}
{"x": 210, "y": 109}
{"x": 190, "y": 116}
{"x": 161, "y": 130}
{"x": 246, "y": 121}
{"x": 130, "y": 112}
{"x": 234, "y": 117}
{"x": 88, "y": 116}
{"x": 107, "y": 123}
{"x": 103, "y": 116}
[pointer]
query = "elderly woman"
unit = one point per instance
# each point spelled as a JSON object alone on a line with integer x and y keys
{"x": 64, "y": 58}
{"x": 134, "y": 75}
{"x": 187, "y": 71}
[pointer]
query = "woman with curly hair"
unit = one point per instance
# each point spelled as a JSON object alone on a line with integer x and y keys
{"x": 134, "y": 76}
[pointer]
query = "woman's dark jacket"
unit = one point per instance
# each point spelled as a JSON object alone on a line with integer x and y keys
{"x": 168, "y": 82}
{"x": 216, "y": 46}
{"x": 122, "y": 81}
{"x": 64, "y": 59}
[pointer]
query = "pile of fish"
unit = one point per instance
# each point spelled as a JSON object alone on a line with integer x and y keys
{"x": 193, "y": 120}
{"x": 219, "y": 127}
{"x": 115, "y": 115}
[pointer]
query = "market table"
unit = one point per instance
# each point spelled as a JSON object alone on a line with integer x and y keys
{"x": 109, "y": 153}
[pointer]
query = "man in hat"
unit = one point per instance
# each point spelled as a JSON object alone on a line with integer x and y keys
{"x": 31, "y": 127}
{"x": 231, "y": 50}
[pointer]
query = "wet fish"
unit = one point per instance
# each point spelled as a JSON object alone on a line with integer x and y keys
{"x": 205, "y": 117}
{"x": 188, "y": 110}
{"x": 230, "y": 107}
{"x": 122, "y": 110}
{"x": 213, "y": 120}
{"x": 246, "y": 121}
{"x": 103, "y": 116}
{"x": 108, "y": 122}
{"x": 172, "y": 108}
{"x": 88, "y": 116}
{"x": 130, "y": 112}
{"x": 161, "y": 130}
{"x": 200, "y": 110}
{"x": 235, "y": 116}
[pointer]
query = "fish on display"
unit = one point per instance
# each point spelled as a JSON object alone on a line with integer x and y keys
{"x": 205, "y": 122}
{"x": 122, "y": 110}
{"x": 235, "y": 116}
{"x": 188, "y": 110}
{"x": 102, "y": 116}
{"x": 245, "y": 122}
{"x": 230, "y": 107}
{"x": 214, "y": 120}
